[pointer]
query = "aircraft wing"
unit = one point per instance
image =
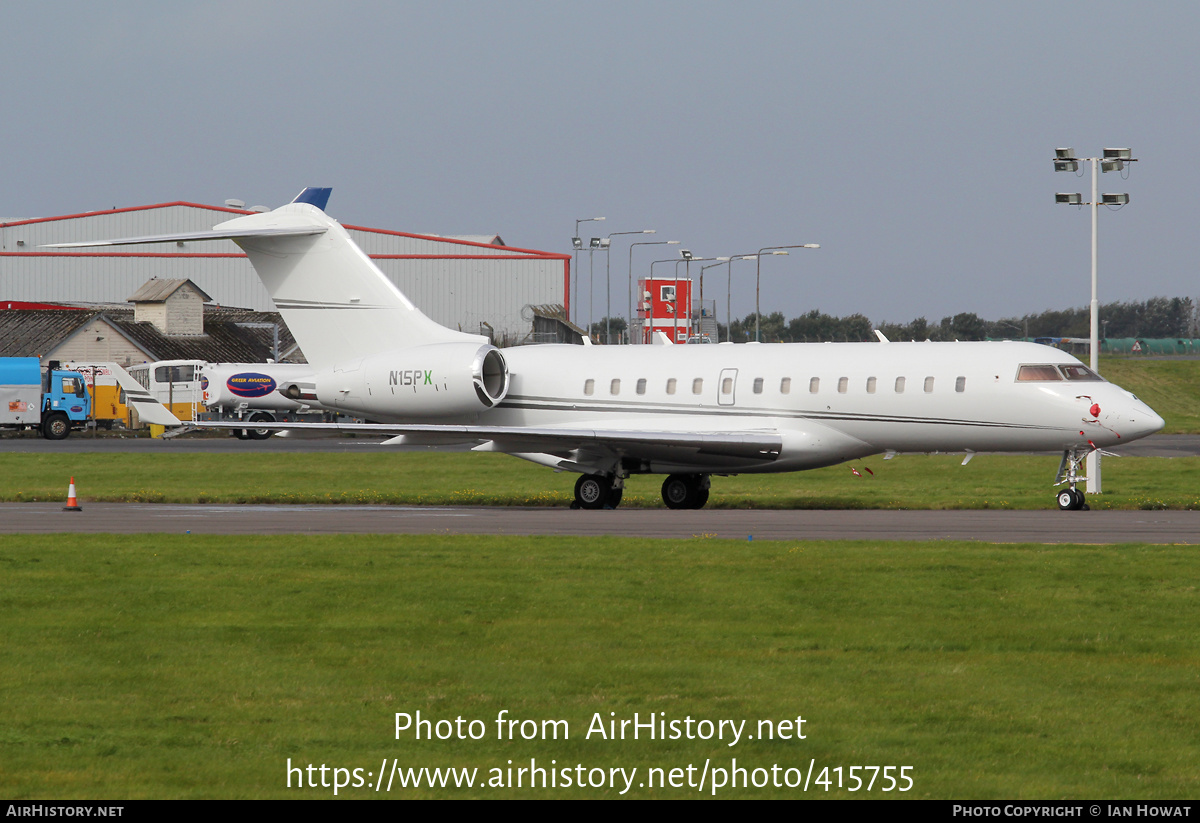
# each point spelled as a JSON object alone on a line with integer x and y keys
{"x": 571, "y": 444}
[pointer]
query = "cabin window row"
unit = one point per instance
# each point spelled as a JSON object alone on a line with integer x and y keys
{"x": 785, "y": 385}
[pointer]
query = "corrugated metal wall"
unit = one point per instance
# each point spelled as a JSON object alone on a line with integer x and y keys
{"x": 456, "y": 292}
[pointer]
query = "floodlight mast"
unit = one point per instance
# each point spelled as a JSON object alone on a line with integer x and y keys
{"x": 1111, "y": 160}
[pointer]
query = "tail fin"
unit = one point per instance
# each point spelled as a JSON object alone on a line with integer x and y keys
{"x": 337, "y": 303}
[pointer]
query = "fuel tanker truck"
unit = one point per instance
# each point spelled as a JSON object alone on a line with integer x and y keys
{"x": 252, "y": 392}
{"x": 231, "y": 392}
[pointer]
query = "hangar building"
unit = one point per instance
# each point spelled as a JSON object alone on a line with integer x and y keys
{"x": 475, "y": 284}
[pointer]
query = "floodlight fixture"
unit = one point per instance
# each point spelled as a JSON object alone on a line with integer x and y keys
{"x": 605, "y": 242}
{"x": 1066, "y": 165}
{"x": 1114, "y": 199}
{"x": 1065, "y": 154}
{"x": 577, "y": 242}
{"x": 1118, "y": 154}
{"x": 1073, "y": 199}
{"x": 685, "y": 254}
{"x": 595, "y": 244}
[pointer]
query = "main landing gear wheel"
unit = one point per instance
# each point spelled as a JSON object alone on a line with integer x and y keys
{"x": 594, "y": 491}
{"x": 614, "y": 497}
{"x": 685, "y": 491}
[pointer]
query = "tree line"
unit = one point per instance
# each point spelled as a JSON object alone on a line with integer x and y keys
{"x": 1156, "y": 317}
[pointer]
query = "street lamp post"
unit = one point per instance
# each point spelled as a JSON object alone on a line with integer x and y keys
{"x": 1112, "y": 160}
{"x": 722, "y": 261}
{"x": 608, "y": 278}
{"x": 758, "y": 277}
{"x": 729, "y": 292}
{"x": 629, "y": 321}
{"x": 576, "y": 245}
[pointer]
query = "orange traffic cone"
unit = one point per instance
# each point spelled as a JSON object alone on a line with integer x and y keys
{"x": 72, "y": 503}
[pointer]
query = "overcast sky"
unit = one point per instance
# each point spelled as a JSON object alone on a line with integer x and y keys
{"x": 911, "y": 140}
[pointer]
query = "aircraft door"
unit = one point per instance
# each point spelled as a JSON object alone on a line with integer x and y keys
{"x": 727, "y": 387}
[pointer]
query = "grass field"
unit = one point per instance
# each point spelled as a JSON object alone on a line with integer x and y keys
{"x": 906, "y": 482}
{"x": 1170, "y": 387}
{"x": 196, "y": 667}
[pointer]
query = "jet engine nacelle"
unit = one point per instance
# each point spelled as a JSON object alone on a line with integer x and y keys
{"x": 442, "y": 380}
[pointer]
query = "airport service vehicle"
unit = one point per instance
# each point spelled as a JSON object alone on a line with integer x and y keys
{"x": 52, "y": 400}
{"x": 228, "y": 392}
{"x": 688, "y": 412}
{"x": 104, "y": 387}
{"x": 251, "y": 392}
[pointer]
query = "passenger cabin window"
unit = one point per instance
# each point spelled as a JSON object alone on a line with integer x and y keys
{"x": 960, "y": 385}
{"x": 671, "y": 386}
{"x": 641, "y": 385}
{"x": 870, "y": 385}
{"x": 727, "y": 385}
{"x": 615, "y": 386}
{"x": 1032, "y": 373}
{"x": 814, "y": 385}
{"x": 758, "y": 383}
{"x": 785, "y": 385}
{"x": 928, "y": 385}
{"x": 899, "y": 385}
{"x": 698, "y": 385}
{"x": 589, "y": 386}
{"x": 843, "y": 382}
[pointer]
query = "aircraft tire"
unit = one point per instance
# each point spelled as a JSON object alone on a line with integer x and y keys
{"x": 56, "y": 427}
{"x": 614, "y": 498}
{"x": 1070, "y": 500}
{"x": 701, "y": 498}
{"x": 679, "y": 491}
{"x": 592, "y": 491}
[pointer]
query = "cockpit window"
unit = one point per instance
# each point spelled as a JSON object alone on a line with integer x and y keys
{"x": 1047, "y": 371}
{"x": 1030, "y": 373}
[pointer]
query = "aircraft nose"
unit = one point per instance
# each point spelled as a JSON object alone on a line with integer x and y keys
{"x": 1140, "y": 420}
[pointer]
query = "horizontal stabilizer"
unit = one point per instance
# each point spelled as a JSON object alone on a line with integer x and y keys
{"x": 211, "y": 234}
{"x": 149, "y": 410}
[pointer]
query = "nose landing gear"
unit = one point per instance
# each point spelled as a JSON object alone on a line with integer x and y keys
{"x": 1071, "y": 498}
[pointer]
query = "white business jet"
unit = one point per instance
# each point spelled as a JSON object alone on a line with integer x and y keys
{"x": 689, "y": 412}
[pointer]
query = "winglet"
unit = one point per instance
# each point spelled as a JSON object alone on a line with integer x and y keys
{"x": 314, "y": 197}
{"x": 881, "y": 337}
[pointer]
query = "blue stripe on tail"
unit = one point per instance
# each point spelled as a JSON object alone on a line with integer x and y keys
{"x": 314, "y": 197}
